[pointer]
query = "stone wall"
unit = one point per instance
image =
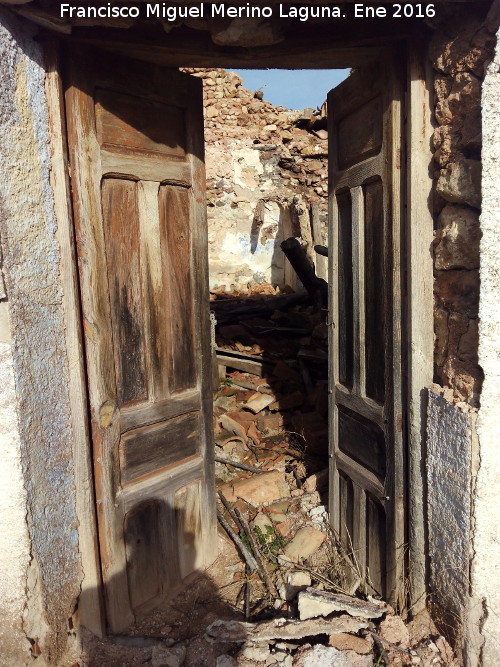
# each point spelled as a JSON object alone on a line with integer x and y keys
{"x": 266, "y": 166}
{"x": 460, "y": 51}
{"x": 462, "y": 461}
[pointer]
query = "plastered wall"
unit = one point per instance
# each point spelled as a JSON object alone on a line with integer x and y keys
{"x": 452, "y": 456}
{"x": 485, "y": 571}
{"x": 41, "y": 574}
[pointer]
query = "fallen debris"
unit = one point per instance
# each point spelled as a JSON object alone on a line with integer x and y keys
{"x": 393, "y": 629}
{"x": 259, "y": 401}
{"x": 280, "y": 628}
{"x": 262, "y": 488}
{"x": 320, "y": 656}
{"x": 305, "y": 543}
{"x": 163, "y": 656}
{"x": 249, "y": 559}
{"x": 346, "y": 642}
{"x": 314, "y": 603}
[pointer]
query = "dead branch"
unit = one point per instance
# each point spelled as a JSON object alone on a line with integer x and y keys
{"x": 247, "y": 556}
{"x": 258, "y": 555}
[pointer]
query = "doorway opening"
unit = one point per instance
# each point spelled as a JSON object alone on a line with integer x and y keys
{"x": 267, "y": 195}
{"x": 274, "y": 386}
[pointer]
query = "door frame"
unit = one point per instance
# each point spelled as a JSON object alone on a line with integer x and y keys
{"x": 419, "y": 331}
{"x": 418, "y": 341}
{"x": 90, "y": 603}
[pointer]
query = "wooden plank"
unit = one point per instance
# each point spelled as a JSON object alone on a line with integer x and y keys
{"x": 155, "y": 299}
{"x": 345, "y": 290}
{"x": 155, "y": 486}
{"x": 209, "y": 548}
{"x": 419, "y": 313}
{"x": 395, "y": 507}
{"x": 360, "y": 133}
{"x": 359, "y": 530}
{"x": 188, "y": 519}
{"x": 174, "y": 208}
{"x": 90, "y": 605}
{"x": 333, "y": 325}
{"x": 135, "y": 416}
{"x": 121, "y": 231}
{"x": 346, "y": 508}
{"x": 189, "y": 53}
{"x": 359, "y": 173}
{"x": 363, "y": 478}
{"x": 377, "y": 283}
{"x": 376, "y": 548}
{"x": 358, "y": 289}
{"x": 151, "y": 448}
{"x": 259, "y": 368}
{"x": 123, "y": 125}
{"x": 362, "y": 441}
{"x": 152, "y": 169}
{"x": 365, "y": 406}
{"x": 144, "y": 567}
{"x": 320, "y": 262}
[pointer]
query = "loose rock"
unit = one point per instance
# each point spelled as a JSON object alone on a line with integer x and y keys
{"x": 163, "y": 656}
{"x": 306, "y": 541}
{"x": 259, "y": 489}
{"x": 314, "y": 603}
{"x": 345, "y": 642}
{"x": 394, "y": 630}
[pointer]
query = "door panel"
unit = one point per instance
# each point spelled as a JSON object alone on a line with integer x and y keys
{"x": 366, "y": 501}
{"x": 135, "y": 134}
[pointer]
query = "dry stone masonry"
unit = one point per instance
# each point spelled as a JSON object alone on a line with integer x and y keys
{"x": 460, "y": 53}
{"x": 266, "y": 167}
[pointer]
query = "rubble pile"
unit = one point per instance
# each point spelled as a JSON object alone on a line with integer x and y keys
{"x": 266, "y": 171}
{"x": 295, "y": 140}
{"x": 291, "y": 578}
{"x": 271, "y": 406}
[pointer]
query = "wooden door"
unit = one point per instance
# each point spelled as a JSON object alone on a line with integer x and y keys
{"x": 366, "y": 500}
{"x": 135, "y": 134}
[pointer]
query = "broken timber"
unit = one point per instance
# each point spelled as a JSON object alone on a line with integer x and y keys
{"x": 316, "y": 287}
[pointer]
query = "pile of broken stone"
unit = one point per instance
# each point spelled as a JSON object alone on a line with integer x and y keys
{"x": 295, "y": 139}
{"x": 293, "y": 576}
{"x": 285, "y": 590}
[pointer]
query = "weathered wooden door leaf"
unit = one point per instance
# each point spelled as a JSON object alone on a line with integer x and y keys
{"x": 366, "y": 500}
{"x": 135, "y": 134}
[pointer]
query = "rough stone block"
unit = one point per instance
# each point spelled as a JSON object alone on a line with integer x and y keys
{"x": 460, "y": 183}
{"x": 458, "y": 291}
{"x": 259, "y": 489}
{"x": 306, "y": 541}
{"x": 314, "y": 603}
{"x": 457, "y": 240}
